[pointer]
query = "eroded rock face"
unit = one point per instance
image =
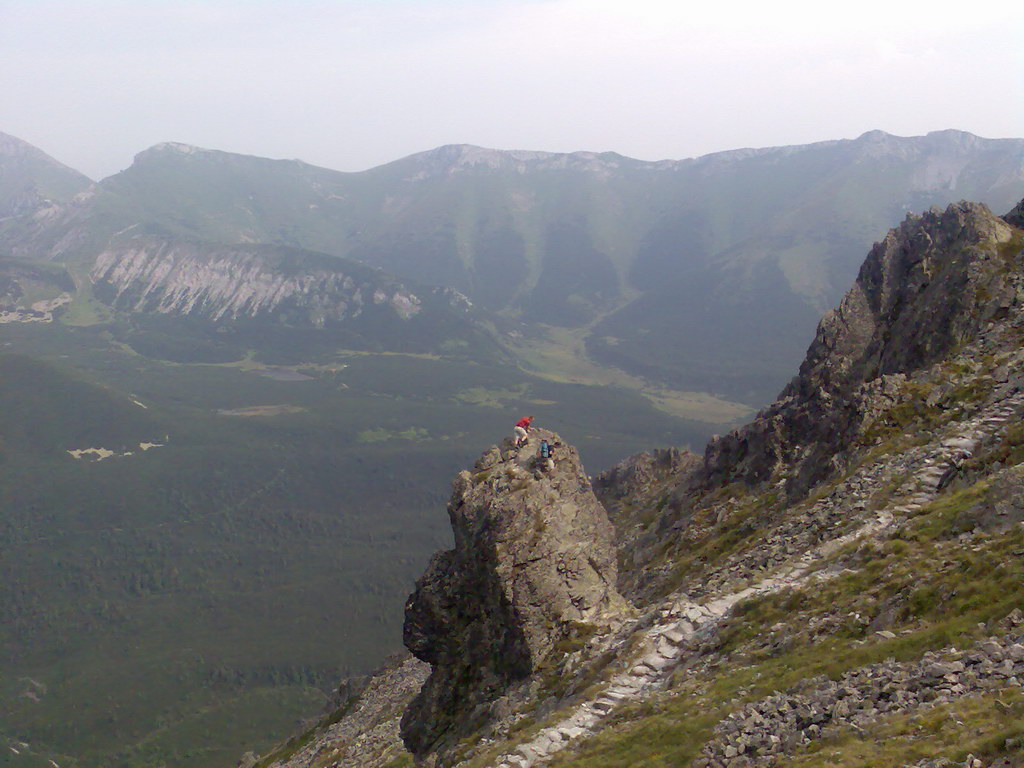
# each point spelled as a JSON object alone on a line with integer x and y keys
{"x": 633, "y": 477}
{"x": 232, "y": 282}
{"x": 533, "y": 563}
{"x": 629, "y": 491}
{"x": 933, "y": 282}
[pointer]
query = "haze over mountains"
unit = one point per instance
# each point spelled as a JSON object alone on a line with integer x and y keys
{"x": 30, "y": 177}
{"x": 308, "y": 355}
{"x": 742, "y": 250}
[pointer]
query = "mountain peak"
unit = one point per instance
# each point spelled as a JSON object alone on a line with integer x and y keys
{"x": 18, "y": 150}
{"x": 953, "y": 133}
{"x": 31, "y": 180}
{"x": 875, "y": 135}
{"x": 11, "y": 146}
{"x": 451, "y": 159}
{"x": 168, "y": 148}
{"x": 177, "y": 146}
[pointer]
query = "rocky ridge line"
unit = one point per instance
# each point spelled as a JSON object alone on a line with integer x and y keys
{"x": 938, "y": 271}
{"x": 685, "y": 623}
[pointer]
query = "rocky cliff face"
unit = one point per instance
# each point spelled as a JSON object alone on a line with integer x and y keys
{"x": 933, "y": 283}
{"x": 533, "y": 565}
{"x": 258, "y": 294}
{"x": 1015, "y": 217}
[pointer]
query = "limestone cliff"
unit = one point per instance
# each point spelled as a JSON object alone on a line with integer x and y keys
{"x": 533, "y": 565}
{"x": 261, "y": 291}
{"x": 231, "y": 282}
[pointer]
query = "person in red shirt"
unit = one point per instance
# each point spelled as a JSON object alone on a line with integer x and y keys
{"x": 522, "y": 430}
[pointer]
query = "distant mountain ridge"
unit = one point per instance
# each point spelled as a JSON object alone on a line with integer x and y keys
{"x": 29, "y": 178}
{"x": 740, "y": 250}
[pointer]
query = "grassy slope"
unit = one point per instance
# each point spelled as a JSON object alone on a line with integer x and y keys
{"x": 942, "y": 593}
{"x": 923, "y": 584}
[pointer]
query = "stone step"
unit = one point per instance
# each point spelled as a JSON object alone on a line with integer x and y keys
{"x": 642, "y": 673}
{"x": 683, "y": 627}
{"x": 623, "y": 690}
{"x": 528, "y": 752}
{"x": 658, "y": 661}
{"x": 695, "y": 614}
{"x": 666, "y": 648}
{"x": 718, "y": 608}
{"x": 571, "y": 733}
{"x": 642, "y": 669}
{"x": 547, "y": 743}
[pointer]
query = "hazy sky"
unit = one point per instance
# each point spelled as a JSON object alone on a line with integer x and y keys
{"x": 354, "y": 83}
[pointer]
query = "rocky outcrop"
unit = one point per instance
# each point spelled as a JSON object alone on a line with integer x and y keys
{"x": 635, "y": 477}
{"x": 533, "y": 565}
{"x": 932, "y": 283}
{"x": 1016, "y": 216}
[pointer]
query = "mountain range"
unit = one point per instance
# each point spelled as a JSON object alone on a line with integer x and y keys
{"x": 232, "y": 389}
{"x": 705, "y": 275}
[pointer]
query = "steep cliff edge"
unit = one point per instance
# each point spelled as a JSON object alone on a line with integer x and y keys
{"x": 533, "y": 566}
{"x": 837, "y": 584}
{"x": 933, "y": 283}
